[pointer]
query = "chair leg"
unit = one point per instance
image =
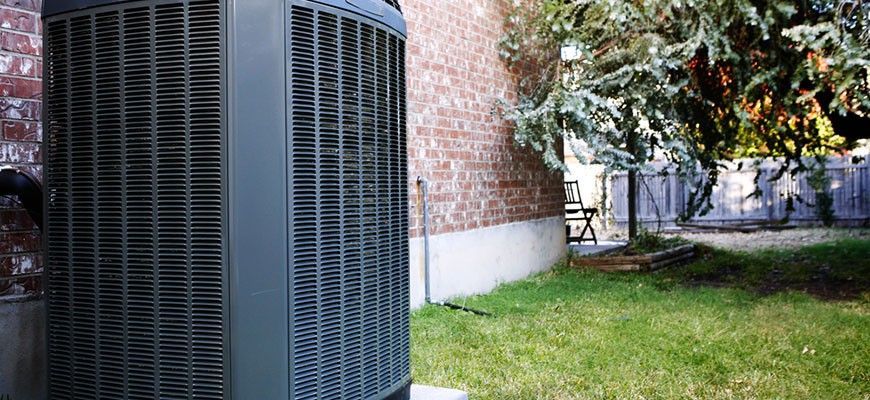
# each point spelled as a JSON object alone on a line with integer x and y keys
{"x": 586, "y": 227}
{"x": 592, "y": 231}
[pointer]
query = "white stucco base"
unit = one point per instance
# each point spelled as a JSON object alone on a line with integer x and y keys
{"x": 475, "y": 262}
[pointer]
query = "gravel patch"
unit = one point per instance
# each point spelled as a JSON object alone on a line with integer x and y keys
{"x": 780, "y": 239}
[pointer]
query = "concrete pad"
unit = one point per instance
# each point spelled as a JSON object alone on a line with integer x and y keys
{"x": 420, "y": 392}
{"x": 22, "y": 349}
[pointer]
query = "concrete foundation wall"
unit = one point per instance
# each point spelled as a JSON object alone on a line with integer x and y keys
{"x": 22, "y": 350}
{"x": 477, "y": 261}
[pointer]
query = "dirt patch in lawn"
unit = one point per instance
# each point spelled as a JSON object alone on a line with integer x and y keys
{"x": 820, "y": 286}
{"x": 837, "y": 270}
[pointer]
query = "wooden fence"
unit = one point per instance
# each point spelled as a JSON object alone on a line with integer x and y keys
{"x": 664, "y": 198}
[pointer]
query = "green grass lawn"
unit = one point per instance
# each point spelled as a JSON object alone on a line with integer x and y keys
{"x": 731, "y": 326}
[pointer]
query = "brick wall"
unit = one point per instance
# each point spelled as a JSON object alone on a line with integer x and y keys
{"x": 478, "y": 178}
{"x": 20, "y": 135}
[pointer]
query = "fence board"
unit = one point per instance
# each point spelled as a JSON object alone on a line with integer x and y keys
{"x": 665, "y": 197}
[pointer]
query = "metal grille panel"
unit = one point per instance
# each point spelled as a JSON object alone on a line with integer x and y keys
{"x": 348, "y": 206}
{"x": 135, "y": 143}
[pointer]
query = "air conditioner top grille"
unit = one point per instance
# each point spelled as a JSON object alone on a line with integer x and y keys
{"x": 54, "y": 7}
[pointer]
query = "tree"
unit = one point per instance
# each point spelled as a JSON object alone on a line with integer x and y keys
{"x": 697, "y": 82}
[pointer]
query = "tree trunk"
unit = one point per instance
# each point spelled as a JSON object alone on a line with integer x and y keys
{"x": 632, "y": 186}
{"x": 632, "y": 204}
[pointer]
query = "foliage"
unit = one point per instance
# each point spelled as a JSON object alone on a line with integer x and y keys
{"x": 571, "y": 334}
{"x": 648, "y": 242}
{"x": 820, "y": 182}
{"x": 693, "y": 81}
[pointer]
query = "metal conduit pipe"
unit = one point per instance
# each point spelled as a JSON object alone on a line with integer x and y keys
{"x": 424, "y": 189}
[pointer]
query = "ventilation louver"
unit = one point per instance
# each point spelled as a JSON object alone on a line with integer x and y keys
{"x": 348, "y": 207}
{"x": 153, "y": 138}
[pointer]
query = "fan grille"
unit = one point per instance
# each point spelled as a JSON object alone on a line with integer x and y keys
{"x": 349, "y": 206}
{"x": 134, "y": 178}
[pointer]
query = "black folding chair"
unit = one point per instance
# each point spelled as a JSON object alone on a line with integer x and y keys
{"x": 575, "y": 211}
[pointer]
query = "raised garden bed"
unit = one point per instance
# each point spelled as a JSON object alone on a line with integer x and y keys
{"x": 644, "y": 262}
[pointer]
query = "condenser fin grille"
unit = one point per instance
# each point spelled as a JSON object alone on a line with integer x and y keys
{"x": 348, "y": 206}
{"x": 135, "y": 145}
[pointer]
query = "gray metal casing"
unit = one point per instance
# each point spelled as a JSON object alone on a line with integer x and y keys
{"x": 256, "y": 188}
{"x": 374, "y": 9}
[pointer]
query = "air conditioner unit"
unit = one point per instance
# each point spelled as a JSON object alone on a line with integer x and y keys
{"x": 227, "y": 199}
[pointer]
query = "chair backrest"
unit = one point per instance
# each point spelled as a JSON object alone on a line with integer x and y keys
{"x": 572, "y": 193}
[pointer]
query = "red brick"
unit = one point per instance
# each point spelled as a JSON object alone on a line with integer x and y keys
{"x": 20, "y": 43}
{"x": 15, "y": 220}
{"x": 21, "y": 131}
{"x": 18, "y": 20}
{"x": 21, "y": 264}
{"x": 19, "y": 242}
{"x": 20, "y": 134}
{"x": 21, "y": 88}
{"x": 20, "y": 153}
{"x": 12, "y": 64}
{"x": 478, "y": 178}
{"x": 29, "y": 5}
{"x": 11, "y": 108}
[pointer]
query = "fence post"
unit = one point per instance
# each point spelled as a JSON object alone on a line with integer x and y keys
{"x": 605, "y": 210}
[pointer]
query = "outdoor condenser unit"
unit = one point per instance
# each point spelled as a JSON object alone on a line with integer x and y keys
{"x": 226, "y": 199}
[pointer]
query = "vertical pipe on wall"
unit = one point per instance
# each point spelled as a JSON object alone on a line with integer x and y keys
{"x": 424, "y": 188}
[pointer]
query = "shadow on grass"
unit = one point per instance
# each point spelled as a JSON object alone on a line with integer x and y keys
{"x": 837, "y": 270}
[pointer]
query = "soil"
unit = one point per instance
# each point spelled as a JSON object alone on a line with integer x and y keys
{"x": 818, "y": 281}
{"x": 820, "y": 286}
{"x": 823, "y": 289}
